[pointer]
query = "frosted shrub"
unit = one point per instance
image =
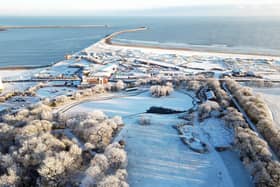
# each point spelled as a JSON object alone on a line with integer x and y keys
{"x": 55, "y": 168}
{"x": 10, "y": 178}
{"x": 101, "y": 161}
{"x": 251, "y": 144}
{"x": 41, "y": 111}
{"x": 122, "y": 174}
{"x": 233, "y": 118}
{"x": 94, "y": 128}
{"x": 99, "y": 135}
{"x": 46, "y": 101}
{"x": 118, "y": 120}
{"x": 99, "y": 89}
{"x": 93, "y": 175}
{"x": 159, "y": 91}
{"x": 60, "y": 100}
{"x": 257, "y": 158}
{"x": 33, "y": 150}
{"x": 19, "y": 118}
{"x": 193, "y": 85}
{"x": 205, "y": 109}
{"x": 36, "y": 127}
{"x": 77, "y": 95}
{"x": 87, "y": 92}
{"x": 120, "y": 85}
{"x": 221, "y": 95}
{"x": 110, "y": 181}
{"x": 116, "y": 156}
{"x": 108, "y": 168}
{"x": 98, "y": 115}
{"x": 258, "y": 111}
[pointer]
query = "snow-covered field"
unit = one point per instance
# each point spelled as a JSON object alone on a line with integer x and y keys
{"x": 21, "y": 86}
{"x": 272, "y": 98}
{"x": 18, "y": 74}
{"x": 125, "y": 106}
{"x": 51, "y": 92}
{"x": 157, "y": 157}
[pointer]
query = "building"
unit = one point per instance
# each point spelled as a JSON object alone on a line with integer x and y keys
{"x": 102, "y": 75}
{"x": 94, "y": 80}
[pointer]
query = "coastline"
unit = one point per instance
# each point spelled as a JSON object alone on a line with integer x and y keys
{"x": 109, "y": 41}
{"x": 24, "y": 67}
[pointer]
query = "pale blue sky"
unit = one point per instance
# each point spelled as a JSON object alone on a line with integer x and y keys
{"x": 131, "y": 7}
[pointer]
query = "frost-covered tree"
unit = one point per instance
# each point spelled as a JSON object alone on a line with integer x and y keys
{"x": 258, "y": 111}
{"x": 159, "y": 91}
{"x": 205, "y": 109}
{"x": 107, "y": 169}
{"x": 55, "y": 169}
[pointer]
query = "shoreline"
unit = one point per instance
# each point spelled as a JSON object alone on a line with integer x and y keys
{"x": 108, "y": 40}
{"x": 23, "y": 67}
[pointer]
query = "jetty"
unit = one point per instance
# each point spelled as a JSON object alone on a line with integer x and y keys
{"x": 108, "y": 39}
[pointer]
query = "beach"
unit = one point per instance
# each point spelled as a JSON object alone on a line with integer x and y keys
{"x": 109, "y": 40}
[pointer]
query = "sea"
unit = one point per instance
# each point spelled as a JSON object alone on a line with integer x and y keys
{"x": 31, "y": 47}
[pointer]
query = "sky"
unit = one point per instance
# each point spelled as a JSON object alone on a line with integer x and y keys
{"x": 140, "y": 7}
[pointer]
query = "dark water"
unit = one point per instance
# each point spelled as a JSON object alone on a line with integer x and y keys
{"x": 44, "y": 46}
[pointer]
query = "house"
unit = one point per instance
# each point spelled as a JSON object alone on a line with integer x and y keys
{"x": 101, "y": 76}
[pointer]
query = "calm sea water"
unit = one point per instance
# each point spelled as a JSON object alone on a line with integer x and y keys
{"x": 44, "y": 46}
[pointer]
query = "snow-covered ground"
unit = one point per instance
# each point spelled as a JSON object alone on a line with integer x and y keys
{"x": 272, "y": 98}
{"x": 125, "y": 106}
{"x": 157, "y": 157}
{"x": 217, "y": 132}
{"x": 186, "y": 52}
{"x": 21, "y": 86}
{"x": 18, "y": 74}
{"x": 54, "y": 91}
